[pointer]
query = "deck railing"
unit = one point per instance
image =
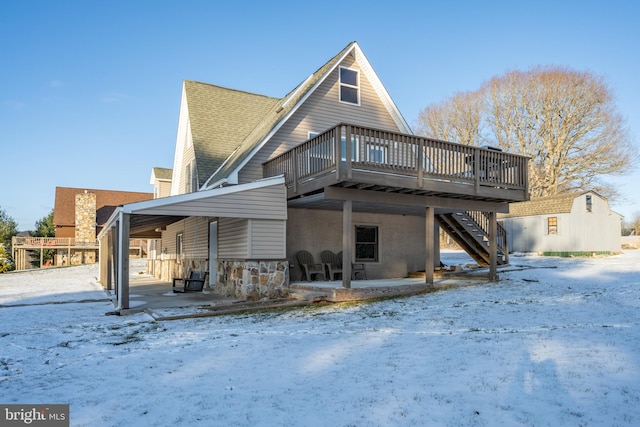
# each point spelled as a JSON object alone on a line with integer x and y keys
{"x": 398, "y": 154}
{"x": 59, "y": 242}
{"x": 482, "y": 220}
{"x": 49, "y": 242}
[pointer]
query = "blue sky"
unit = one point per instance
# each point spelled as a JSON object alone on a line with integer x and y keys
{"x": 90, "y": 90}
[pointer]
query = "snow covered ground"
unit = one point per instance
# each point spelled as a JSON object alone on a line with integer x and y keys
{"x": 553, "y": 345}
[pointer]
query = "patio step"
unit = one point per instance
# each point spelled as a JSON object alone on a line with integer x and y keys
{"x": 308, "y": 295}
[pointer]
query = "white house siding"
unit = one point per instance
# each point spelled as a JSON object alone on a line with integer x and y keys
{"x": 579, "y": 231}
{"x": 322, "y": 111}
{"x": 401, "y": 240}
{"x": 181, "y": 142}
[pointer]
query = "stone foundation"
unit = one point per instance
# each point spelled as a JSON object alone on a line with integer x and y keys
{"x": 252, "y": 280}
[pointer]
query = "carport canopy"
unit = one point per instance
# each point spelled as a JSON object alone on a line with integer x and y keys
{"x": 263, "y": 199}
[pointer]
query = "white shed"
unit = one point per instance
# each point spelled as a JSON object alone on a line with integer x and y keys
{"x": 564, "y": 225}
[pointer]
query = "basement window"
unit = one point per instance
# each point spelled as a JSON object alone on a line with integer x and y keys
{"x": 366, "y": 243}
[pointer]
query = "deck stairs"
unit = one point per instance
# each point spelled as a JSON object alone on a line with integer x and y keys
{"x": 470, "y": 230}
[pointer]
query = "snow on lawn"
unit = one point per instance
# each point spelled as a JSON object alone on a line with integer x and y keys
{"x": 554, "y": 345}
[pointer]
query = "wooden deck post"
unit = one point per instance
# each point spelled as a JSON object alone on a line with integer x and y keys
{"x": 429, "y": 242}
{"x": 347, "y": 242}
{"x": 493, "y": 247}
{"x": 421, "y": 158}
{"x": 348, "y": 151}
{"x": 337, "y": 151}
{"x": 294, "y": 154}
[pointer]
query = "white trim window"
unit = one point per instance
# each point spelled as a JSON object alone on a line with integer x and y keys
{"x": 349, "y": 86}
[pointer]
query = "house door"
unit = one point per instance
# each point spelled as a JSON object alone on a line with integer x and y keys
{"x": 213, "y": 249}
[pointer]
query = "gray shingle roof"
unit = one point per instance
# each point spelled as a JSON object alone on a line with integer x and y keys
{"x": 220, "y": 120}
{"x": 561, "y": 203}
{"x": 163, "y": 173}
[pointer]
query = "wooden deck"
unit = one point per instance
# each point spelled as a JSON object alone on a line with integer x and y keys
{"x": 399, "y": 163}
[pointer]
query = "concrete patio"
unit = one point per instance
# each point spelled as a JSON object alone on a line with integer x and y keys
{"x": 157, "y": 298}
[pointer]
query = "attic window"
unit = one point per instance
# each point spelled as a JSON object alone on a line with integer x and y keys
{"x": 589, "y": 204}
{"x": 349, "y": 86}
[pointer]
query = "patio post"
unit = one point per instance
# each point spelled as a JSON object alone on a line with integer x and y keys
{"x": 123, "y": 260}
{"x": 429, "y": 245}
{"x": 493, "y": 247}
{"x": 347, "y": 242}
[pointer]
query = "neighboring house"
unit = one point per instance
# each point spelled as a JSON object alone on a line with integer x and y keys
{"x": 79, "y": 214}
{"x": 332, "y": 165}
{"x": 564, "y": 225}
{"x": 161, "y": 181}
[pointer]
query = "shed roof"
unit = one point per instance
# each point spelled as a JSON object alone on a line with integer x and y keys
{"x": 561, "y": 203}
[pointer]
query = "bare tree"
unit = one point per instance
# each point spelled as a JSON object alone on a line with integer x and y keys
{"x": 565, "y": 120}
{"x": 456, "y": 119}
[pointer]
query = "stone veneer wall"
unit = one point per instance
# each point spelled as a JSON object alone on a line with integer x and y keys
{"x": 245, "y": 280}
{"x": 253, "y": 279}
{"x": 166, "y": 269}
{"x": 85, "y": 217}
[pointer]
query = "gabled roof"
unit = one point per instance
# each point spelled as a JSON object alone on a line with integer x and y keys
{"x": 64, "y": 210}
{"x": 161, "y": 174}
{"x": 220, "y": 120}
{"x": 229, "y": 126}
{"x": 558, "y": 204}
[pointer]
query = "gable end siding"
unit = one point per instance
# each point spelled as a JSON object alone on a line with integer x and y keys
{"x": 321, "y": 111}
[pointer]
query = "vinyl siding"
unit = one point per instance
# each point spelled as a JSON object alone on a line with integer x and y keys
{"x": 233, "y": 238}
{"x": 268, "y": 239}
{"x": 322, "y": 111}
{"x": 578, "y": 230}
{"x": 265, "y": 203}
{"x": 164, "y": 188}
{"x": 251, "y": 239}
{"x": 195, "y": 238}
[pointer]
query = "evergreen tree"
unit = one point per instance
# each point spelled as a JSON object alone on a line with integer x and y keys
{"x": 8, "y": 229}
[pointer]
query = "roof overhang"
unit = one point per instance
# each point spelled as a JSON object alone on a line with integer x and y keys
{"x": 237, "y": 201}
